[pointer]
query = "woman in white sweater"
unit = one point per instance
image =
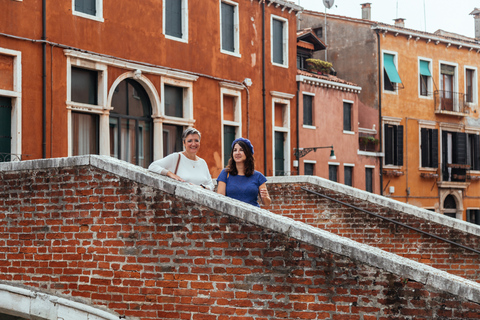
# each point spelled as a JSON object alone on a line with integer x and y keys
{"x": 186, "y": 166}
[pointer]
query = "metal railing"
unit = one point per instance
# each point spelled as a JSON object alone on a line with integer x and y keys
{"x": 8, "y": 157}
{"x": 449, "y": 101}
{"x": 392, "y": 221}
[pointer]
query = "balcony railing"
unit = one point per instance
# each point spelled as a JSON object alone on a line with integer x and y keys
{"x": 449, "y": 102}
{"x": 455, "y": 172}
{"x": 8, "y": 157}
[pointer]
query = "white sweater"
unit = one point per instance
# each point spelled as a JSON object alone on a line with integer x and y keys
{"x": 193, "y": 171}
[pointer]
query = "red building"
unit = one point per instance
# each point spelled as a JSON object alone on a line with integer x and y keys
{"x": 125, "y": 78}
{"x": 329, "y": 119}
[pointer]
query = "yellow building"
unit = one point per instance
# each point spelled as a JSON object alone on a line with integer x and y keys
{"x": 423, "y": 87}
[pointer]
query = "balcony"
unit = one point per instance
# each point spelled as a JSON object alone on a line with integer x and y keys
{"x": 8, "y": 157}
{"x": 450, "y": 103}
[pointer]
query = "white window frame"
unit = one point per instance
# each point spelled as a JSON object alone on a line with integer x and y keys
{"x": 285, "y": 40}
{"x": 184, "y": 37}
{"x": 100, "y": 108}
{"x": 455, "y": 80}
{"x": 282, "y": 98}
{"x": 429, "y": 95}
{"x": 97, "y": 17}
{"x": 474, "y": 85}
{"x": 236, "y": 27}
{"x": 395, "y": 62}
{"x": 229, "y": 89}
{"x": 16, "y": 98}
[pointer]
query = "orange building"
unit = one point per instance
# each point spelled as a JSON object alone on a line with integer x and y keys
{"x": 424, "y": 88}
{"x": 125, "y": 78}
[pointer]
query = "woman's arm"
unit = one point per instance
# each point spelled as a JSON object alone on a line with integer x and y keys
{"x": 264, "y": 195}
{"x": 166, "y": 165}
{"x": 221, "y": 187}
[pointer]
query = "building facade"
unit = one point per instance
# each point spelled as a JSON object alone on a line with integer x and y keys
{"x": 329, "y": 116}
{"x": 125, "y": 79}
{"x": 424, "y": 88}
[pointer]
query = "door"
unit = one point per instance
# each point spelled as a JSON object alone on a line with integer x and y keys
{"x": 131, "y": 124}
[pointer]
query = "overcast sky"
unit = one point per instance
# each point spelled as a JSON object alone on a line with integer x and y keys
{"x": 448, "y": 15}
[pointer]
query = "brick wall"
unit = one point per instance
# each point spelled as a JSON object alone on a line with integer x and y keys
{"x": 149, "y": 248}
{"x": 291, "y": 201}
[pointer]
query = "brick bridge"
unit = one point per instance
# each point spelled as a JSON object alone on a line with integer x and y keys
{"x": 93, "y": 237}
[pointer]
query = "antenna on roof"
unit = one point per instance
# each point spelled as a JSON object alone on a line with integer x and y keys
{"x": 328, "y": 4}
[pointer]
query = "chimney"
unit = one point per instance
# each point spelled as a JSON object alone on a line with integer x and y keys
{"x": 476, "y": 16}
{"x": 400, "y": 22}
{"x": 366, "y": 11}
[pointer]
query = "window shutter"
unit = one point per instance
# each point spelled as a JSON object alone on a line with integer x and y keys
{"x": 425, "y": 147}
{"x": 399, "y": 147}
{"x": 460, "y": 155}
{"x": 79, "y": 4}
{"x": 5, "y": 126}
{"x": 307, "y": 110}
{"x": 277, "y": 41}
{"x": 388, "y": 144}
{"x": 347, "y": 117}
{"x": 475, "y": 152}
{"x": 90, "y": 7}
{"x": 228, "y": 34}
{"x": 434, "y": 149}
{"x": 279, "y": 154}
{"x": 173, "y": 18}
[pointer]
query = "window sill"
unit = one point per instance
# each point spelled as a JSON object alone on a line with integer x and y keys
{"x": 230, "y": 53}
{"x": 370, "y": 154}
{"x": 280, "y": 65}
{"x": 306, "y": 126}
{"x": 348, "y": 132}
{"x": 88, "y": 16}
{"x": 184, "y": 40}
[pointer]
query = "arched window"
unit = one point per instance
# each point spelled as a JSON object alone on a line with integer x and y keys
{"x": 450, "y": 206}
{"x": 131, "y": 125}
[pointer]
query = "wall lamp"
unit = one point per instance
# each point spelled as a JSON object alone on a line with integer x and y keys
{"x": 302, "y": 152}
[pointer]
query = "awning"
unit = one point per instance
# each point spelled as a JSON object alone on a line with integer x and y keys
{"x": 424, "y": 70}
{"x": 390, "y": 68}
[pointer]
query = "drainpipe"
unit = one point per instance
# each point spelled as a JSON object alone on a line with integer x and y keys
{"x": 263, "y": 92}
{"x": 298, "y": 127}
{"x": 380, "y": 126}
{"x": 44, "y": 79}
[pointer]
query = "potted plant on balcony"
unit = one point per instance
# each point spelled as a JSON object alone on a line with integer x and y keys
{"x": 369, "y": 143}
{"x": 318, "y": 66}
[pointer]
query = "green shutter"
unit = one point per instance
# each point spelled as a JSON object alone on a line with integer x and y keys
{"x": 279, "y": 154}
{"x": 424, "y": 68}
{"x": 173, "y": 18}
{"x": 5, "y": 127}
{"x": 228, "y": 137}
{"x": 228, "y": 32}
{"x": 307, "y": 110}
{"x": 277, "y": 44}
{"x": 390, "y": 68}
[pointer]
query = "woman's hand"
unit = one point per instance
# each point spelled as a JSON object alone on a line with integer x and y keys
{"x": 264, "y": 195}
{"x": 174, "y": 176}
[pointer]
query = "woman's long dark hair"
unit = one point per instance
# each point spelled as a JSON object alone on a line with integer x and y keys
{"x": 249, "y": 162}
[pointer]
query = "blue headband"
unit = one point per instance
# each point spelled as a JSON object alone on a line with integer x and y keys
{"x": 246, "y": 141}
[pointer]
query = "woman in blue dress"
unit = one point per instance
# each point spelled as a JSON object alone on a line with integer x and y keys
{"x": 240, "y": 180}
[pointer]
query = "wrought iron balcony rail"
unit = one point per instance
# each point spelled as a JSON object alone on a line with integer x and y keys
{"x": 8, "y": 157}
{"x": 449, "y": 102}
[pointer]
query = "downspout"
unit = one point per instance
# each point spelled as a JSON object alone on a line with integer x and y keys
{"x": 44, "y": 79}
{"x": 298, "y": 128}
{"x": 263, "y": 92}
{"x": 380, "y": 127}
